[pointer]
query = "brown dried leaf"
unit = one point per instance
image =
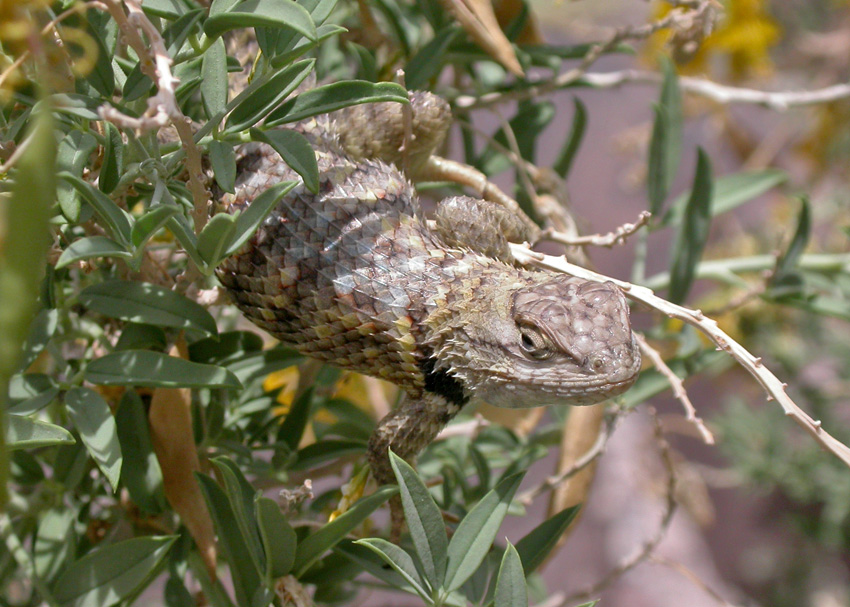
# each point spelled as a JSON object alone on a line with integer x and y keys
{"x": 170, "y": 420}
{"x": 479, "y": 21}
{"x": 508, "y": 10}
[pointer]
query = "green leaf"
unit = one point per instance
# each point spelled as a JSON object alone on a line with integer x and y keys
{"x": 241, "y": 496}
{"x": 101, "y": 76}
{"x": 326, "y": 450}
{"x": 72, "y": 156}
{"x": 140, "y": 473}
{"x": 228, "y": 344}
{"x": 137, "y": 336}
{"x": 332, "y": 97}
{"x": 253, "y": 108}
{"x": 251, "y": 218}
{"x": 143, "y": 302}
{"x": 214, "y": 238}
{"x": 296, "y": 151}
{"x": 477, "y": 530}
{"x": 262, "y": 13}
{"x": 148, "y": 224}
{"x": 565, "y": 158}
{"x": 179, "y": 226}
{"x": 155, "y": 369}
{"x": 214, "y": 78}
{"x": 113, "y": 159}
{"x": 314, "y": 545}
{"x": 293, "y": 426}
{"x": 56, "y": 542}
{"x": 246, "y": 579}
{"x": 666, "y": 143}
{"x": 93, "y": 419}
{"x": 115, "y": 218}
{"x": 539, "y": 542}
{"x": 510, "y": 584}
{"x": 786, "y": 282}
{"x": 427, "y": 63}
{"x": 112, "y": 573}
{"x": 42, "y": 328}
{"x": 424, "y": 521}
{"x": 223, "y": 161}
{"x": 90, "y": 247}
{"x": 398, "y": 558}
{"x": 693, "y": 233}
{"x": 730, "y": 192}
{"x": 279, "y": 540}
{"x": 28, "y": 433}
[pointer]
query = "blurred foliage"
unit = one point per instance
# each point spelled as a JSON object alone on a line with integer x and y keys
{"x": 137, "y": 416}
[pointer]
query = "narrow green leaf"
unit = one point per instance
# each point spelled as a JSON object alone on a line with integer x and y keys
{"x": 179, "y": 226}
{"x": 539, "y": 542}
{"x": 112, "y": 573}
{"x": 262, "y": 13}
{"x": 241, "y": 496}
{"x": 564, "y": 160}
{"x": 148, "y": 224}
{"x": 332, "y": 97}
{"x": 477, "y": 530}
{"x": 246, "y": 579}
{"x": 28, "y": 433}
{"x": 316, "y": 544}
{"x": 693, "y": 233}
{"x": 72, "y": 156}
{"x": 101, "y": 76}
{"x": 214, "y": 78}
{"x": 115, "y": 218}
{"x": 424, "y": 521}
{"x": 279, "y": 540}
{"x": 143, "y": 302}
{"x": 788, "y": 260}
{"x": 140, "y": 473}
{"x": 113, "y": 159}
{"x": 155, "y": 369}
{"x": 325, "y": 451}
{"x": 93, "y": 419}
{"x": 90, "y": 247}
{"x": 229, "y": 344}
{"x": 219, "y": 7}
{"x": 251, "y": 218}
{"x": 510, "y": 584}
{"x": 729, "y": 192}
{"x": 42, "y": 328}
{"x": 427, "y": 63}
{"x": 56, "y": 542}
{"x": 223, "y": 161}
{"x": 397, "y": 558}
{"x": 323, "y": 33}
{"x": 137, "y": 336}
{"x": 296, "y": 151}
{"x": 254, "y": 107}
{"x": 214, "y": 239}
{"x": 293, "y": 426}
{"x": 666, "y": 143}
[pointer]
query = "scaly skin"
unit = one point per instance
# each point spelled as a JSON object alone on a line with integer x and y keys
{"x": 356, "y": 277}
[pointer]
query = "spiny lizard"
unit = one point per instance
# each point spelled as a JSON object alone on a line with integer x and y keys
{"x": 355, "y": 276}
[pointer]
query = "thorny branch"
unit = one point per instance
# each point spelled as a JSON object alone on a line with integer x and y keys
{"x": 677, "y": 387}
{"x": 771, "y": 384}
{"x": 162, "y": 108}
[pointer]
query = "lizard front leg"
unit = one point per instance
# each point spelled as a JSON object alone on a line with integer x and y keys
{"x": 406, "y": 430}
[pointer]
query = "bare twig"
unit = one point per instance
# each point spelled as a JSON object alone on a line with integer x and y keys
{"x": 677, "y": 387}
{"x": 775, "y": 389}
{"x": 591, "y": 455}
{"x": 610, "y": 239}
{"x": 676, "y": 17}
{"x": 692, "y": 577}
{"x": 721, "y": 93}
{"x": 666, "y": 518}
{"x": 162, "y": 108}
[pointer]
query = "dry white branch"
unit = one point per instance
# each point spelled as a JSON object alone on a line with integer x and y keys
{"x": 775, "y": 389}
{"x": 610, "y": 239}
{"x": 155, "y": 63}
{"x": 677, "y": 387}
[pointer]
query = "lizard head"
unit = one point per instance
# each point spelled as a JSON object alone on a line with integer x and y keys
{"x": 562, "y": 341}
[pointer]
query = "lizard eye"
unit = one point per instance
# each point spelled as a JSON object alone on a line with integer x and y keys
{"x": 533, "y": 344}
